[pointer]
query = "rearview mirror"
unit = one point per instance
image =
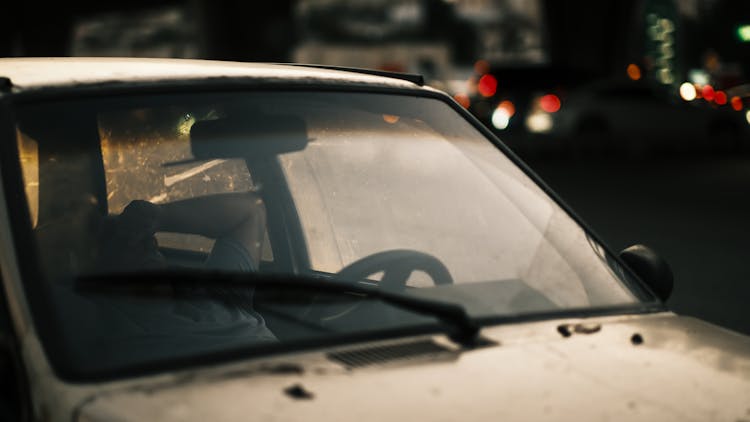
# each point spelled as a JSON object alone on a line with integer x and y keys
{"x": 651, "y": 268}
{"x": 252, "y": 135}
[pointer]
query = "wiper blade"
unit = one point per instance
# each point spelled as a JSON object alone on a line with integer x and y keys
{"x": 465, "y": 332}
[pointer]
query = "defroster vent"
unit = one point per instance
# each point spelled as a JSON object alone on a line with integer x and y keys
{"x": 378, "y": 355}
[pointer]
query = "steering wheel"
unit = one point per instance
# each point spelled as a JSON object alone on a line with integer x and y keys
{"x": 396, "y": 265}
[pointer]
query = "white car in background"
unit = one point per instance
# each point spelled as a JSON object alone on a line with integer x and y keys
{"x": 636, "y": 116}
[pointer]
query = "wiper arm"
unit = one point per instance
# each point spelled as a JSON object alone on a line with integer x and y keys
{"x": 466, "y": 331}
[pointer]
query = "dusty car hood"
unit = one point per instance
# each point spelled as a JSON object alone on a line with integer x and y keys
{"x": 653, "y": 367}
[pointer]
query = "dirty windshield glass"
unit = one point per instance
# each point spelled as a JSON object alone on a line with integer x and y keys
{"x": 398, "y": 192}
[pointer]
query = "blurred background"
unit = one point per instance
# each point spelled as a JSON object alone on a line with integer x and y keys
{"x": 637, "y": 112}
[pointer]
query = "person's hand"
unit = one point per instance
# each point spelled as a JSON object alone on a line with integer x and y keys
{"x": 141, "y": 216}
{"x": 127, "y": 241}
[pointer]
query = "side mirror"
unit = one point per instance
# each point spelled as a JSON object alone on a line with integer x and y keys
{"x": 651, "y": 268}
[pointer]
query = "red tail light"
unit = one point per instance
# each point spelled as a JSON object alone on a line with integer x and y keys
{"x": 487, "y": 85}
{"x": 550, "y": 103}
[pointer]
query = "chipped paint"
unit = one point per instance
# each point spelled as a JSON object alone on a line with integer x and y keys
{"x": 535, "y": 375}
{"x": 298, "y": 392}
{"x": 566, "y": 330}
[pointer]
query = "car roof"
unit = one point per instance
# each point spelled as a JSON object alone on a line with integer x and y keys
{"x": 40, "y": 73}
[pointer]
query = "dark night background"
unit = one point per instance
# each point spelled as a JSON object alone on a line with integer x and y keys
{"x": 608, "y": 65}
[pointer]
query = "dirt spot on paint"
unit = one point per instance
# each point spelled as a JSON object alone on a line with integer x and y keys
{"x": 636, "y": 339}
{"x": 564, "y": 330}
{"x": 298, "y": 392}
{"x": 567, "y": 330}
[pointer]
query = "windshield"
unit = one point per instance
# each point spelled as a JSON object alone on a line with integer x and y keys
{"x": 399, "y": 192}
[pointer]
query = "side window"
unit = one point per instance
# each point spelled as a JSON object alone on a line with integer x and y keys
{"x": 60, "y": 194}
{"x": 146, "y": 155}
{"x": 28, "y": 150}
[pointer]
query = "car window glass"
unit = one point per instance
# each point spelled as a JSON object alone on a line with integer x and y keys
{"x": 146, "y": 155}
{"x": 343, "y": 178}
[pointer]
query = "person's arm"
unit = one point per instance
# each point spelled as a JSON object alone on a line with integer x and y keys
{"x": 237, "y": 216}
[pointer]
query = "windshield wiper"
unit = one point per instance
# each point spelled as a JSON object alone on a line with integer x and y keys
{"x": 465, "y": 331}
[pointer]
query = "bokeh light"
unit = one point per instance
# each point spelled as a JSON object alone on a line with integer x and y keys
{"x": 634, "y": 72}
{"x": 666, "y": 76}
{"x": 687, "y": 91}
{"x": 462, "y": 99}
{"x": 743, "y": 33}
{"x": 708, "y": 92}
{"x": 481, "y": 67}
{"x": 500, "y": 118}
{"x": 539, "y": 122}
{"x": 720, "y": 97}
{"x": 508, "y": 106}
{"x": 736, "y": 103}
{"x": 502, "y": 114}
{"x": 487, "y": 86}
{"x": 550, "y": 103}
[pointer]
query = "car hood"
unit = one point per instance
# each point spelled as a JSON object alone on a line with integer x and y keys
{"x": 652, "y": 367}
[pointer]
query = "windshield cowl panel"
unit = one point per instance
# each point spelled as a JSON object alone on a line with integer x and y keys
{"x": 398, "y": 192}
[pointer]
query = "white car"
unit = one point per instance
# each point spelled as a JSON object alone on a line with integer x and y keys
{"x": 636, "y": 116}
{"x": 194, "y": 240}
